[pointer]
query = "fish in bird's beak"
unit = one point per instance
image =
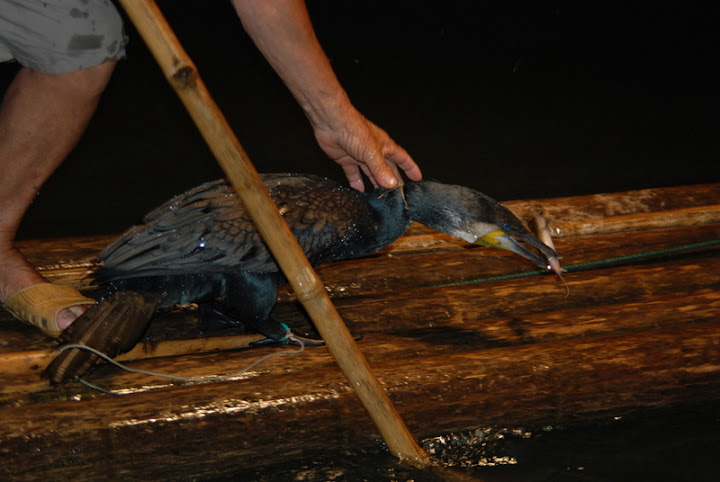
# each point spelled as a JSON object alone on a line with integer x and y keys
{"x": 504, "y": 238}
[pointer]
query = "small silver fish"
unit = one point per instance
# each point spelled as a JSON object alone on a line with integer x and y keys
{"x": 543, "y": 234}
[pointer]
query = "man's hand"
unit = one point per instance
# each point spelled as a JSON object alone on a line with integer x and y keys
{"x": 282, "y": 31}
{"x": 361, "y": 146}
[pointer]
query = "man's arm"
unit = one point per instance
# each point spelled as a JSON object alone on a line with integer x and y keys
{"x": 283, "y": 33}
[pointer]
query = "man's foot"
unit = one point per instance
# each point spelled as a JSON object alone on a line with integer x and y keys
{"x": 32, "y": 299}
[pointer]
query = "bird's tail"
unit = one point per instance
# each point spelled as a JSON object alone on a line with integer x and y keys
{"x": 112, "y": 326}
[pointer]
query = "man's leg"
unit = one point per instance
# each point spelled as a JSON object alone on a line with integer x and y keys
{"x": 42, "y": 117}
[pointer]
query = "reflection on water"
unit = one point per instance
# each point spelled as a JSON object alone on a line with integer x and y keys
{"x": 675, "y": 445}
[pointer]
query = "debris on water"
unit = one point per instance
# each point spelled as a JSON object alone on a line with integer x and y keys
{"x": 484, "y": 447}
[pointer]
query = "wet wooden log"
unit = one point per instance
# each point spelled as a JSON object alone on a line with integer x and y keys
{"x": 451, "y": 319}
{"x": 245, "y": 424}
{"x": 461, "y": 337}
{"x": 607, "y": 205}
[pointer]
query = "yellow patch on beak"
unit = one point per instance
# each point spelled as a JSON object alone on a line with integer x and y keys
{"x": 490, "y": 239}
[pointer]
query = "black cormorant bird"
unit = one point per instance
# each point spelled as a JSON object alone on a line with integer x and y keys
{"x": 202, "y": 247}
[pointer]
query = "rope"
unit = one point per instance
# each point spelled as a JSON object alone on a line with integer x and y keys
{"x": 210, "y": 378}
{"x": 591, "y": 264}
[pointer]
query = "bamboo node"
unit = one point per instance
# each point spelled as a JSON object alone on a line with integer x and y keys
{"x": 308, "y": 295}
{"x": 185, "y": 77}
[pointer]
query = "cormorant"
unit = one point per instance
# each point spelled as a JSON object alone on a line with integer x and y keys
{"x": 202, "y": 247}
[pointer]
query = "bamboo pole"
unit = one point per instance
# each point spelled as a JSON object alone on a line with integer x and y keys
{"x": 183, "y": 76}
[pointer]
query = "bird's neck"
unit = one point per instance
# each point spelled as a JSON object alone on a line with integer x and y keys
{"x": 425, "y": 206}
{"x": 391, "y": 216}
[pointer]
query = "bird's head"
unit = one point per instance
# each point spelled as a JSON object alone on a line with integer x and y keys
{"x": 474, "y": 217}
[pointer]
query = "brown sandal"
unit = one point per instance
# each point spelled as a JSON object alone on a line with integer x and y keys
{"x": 40, "y": 304}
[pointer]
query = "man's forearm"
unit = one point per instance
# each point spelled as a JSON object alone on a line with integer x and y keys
{"x": 282, "y": 31}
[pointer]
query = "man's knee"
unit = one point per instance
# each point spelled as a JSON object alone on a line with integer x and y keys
{"x": 88, "y": 83}
{"x": 95, "y": 79}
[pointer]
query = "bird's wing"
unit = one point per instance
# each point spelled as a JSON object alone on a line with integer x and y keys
{"x": 207, "y": 229}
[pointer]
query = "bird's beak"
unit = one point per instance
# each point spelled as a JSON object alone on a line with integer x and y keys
{"x": 502, "y": 240}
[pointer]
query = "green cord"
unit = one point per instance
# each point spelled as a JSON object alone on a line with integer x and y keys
{"x": 591, "y": 264}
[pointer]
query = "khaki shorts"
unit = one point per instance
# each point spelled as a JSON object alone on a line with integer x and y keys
{"x": 59, "y": 36}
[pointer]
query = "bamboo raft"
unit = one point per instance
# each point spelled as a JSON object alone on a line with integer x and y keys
{"x": 460, "y": 336}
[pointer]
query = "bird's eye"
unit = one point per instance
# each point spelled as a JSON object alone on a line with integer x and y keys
{"x": 506, "y": 227}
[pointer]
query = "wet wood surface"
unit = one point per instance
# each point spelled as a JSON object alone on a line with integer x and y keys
{"x": 461, "y": 337}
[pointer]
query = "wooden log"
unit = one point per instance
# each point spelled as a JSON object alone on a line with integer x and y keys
{"x": 602, "y": 205}
{"x": 639, "y": 222}
{"x": 563, "y": 326}
{"x": 349, "y": 278}
{"x": 452, "y": 319}
{"x": 71, "y": 260}
{"x": 240, "y": 424}
{"x": 379, "y": 277}
{"x": 389, "y": 271}
{"x": 457, "y": 305}
{"x": 50, "y": 253}
{"x": 37, "y": 360}
{"x": 670, "y": 311}
{"x": 453, "y": 358}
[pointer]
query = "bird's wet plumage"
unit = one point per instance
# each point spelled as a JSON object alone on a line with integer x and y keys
{"x": 207, "y": 230}
{"x": 202, "y": 246}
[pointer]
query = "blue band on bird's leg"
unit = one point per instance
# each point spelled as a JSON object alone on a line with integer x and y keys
{"x": 287, "y": 333}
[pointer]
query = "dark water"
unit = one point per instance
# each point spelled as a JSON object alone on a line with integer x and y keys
{"x": 516, "y": 99}
{"x": 663, "y": 445}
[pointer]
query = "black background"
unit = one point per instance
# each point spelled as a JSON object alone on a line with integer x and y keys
{"x": 516, "y": 99}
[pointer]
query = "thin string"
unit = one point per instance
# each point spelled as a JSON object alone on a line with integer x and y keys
{"x": 591, "y": 264}
{"x": 211, "y": 378}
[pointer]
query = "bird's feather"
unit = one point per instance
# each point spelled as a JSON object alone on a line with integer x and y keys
{"x": 208, "y": 229}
